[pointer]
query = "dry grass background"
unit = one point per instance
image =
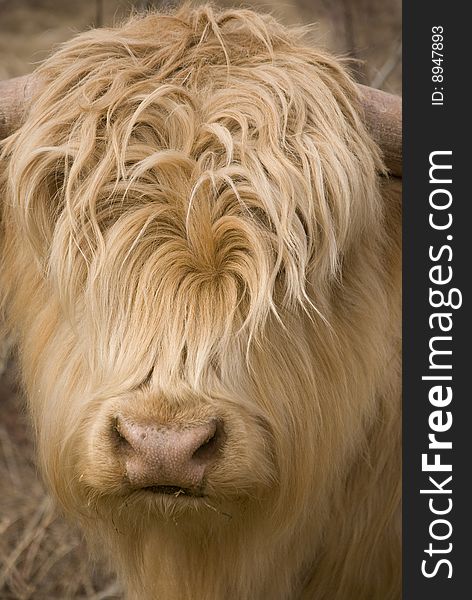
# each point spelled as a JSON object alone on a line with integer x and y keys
{"x": 42, "y": 556}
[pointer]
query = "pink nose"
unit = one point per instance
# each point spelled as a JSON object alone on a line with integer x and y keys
{"x": 168, "y": 459}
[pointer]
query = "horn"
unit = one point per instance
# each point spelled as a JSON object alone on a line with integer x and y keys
{"x": 382, "y": 116}
{"x": 383, "y": 119}
{"x": 14, "y": 95}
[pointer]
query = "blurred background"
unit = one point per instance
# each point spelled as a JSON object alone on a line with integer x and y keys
{"x": 42, "y": 557}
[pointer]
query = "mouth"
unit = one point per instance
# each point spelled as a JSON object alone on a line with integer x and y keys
{"x": 185, "y": 501}
{"x": 172, "y": 490}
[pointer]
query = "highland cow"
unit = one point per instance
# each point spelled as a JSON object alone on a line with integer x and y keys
{"x": 200, "y": 266}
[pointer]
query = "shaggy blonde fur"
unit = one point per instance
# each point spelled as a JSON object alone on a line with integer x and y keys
{"x": 193, "y": 225}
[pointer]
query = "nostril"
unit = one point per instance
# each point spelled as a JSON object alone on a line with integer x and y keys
{"x": 118, "y": 435}
{"x": 211, "y": 447}
{"x": 206, "y": 450}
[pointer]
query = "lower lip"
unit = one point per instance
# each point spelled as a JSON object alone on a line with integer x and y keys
{"x": 172, "y": 492}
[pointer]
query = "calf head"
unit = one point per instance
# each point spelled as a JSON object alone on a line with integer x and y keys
{"x": 193, "y": 264}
